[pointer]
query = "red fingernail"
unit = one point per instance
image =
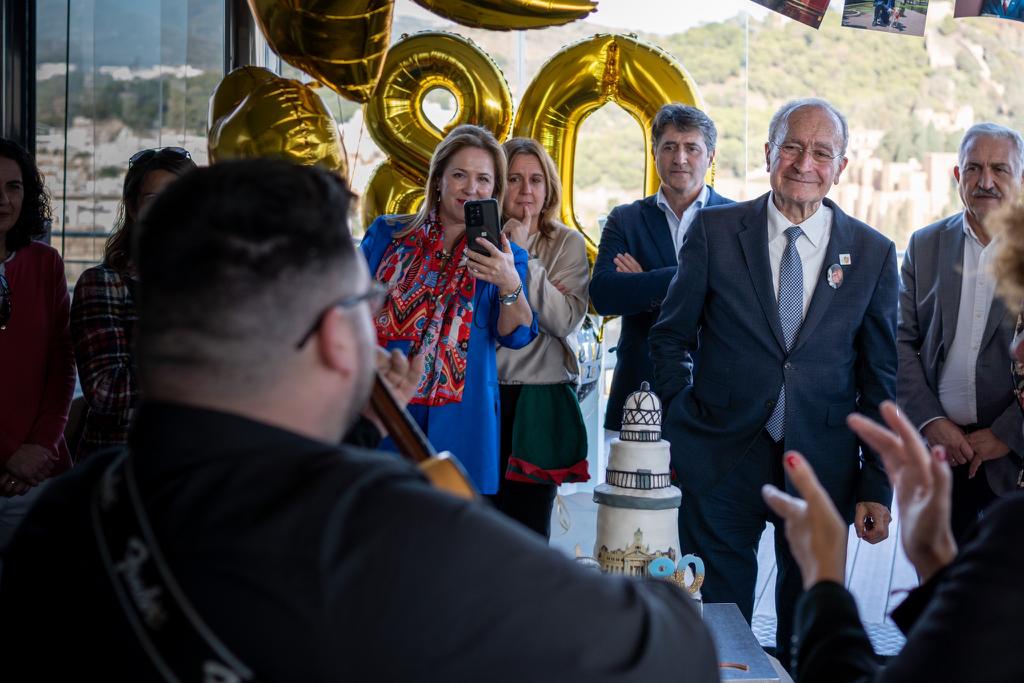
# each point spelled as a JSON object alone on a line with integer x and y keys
{"x": 940, "y": 453}
{"x": 791, "y": 461}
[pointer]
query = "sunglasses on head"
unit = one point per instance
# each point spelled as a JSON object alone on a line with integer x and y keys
{"x": 5, "y": 302}
{"x": 176, "y": 153}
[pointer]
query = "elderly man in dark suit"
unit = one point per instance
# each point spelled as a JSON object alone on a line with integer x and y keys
{"x": 954, "y": 334}
{"x": 786, "y": 353}
{"x": 639, "y": 245}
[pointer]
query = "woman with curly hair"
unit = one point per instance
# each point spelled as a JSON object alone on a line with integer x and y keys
{"x": 36, "y": 361}
{"x": 104, "y": 312}
{"x": 1008, "y": 223}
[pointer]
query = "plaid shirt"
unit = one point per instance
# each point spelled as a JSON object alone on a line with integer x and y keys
{"x": 103, "y": 318}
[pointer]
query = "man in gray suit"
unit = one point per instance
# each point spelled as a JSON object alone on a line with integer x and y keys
{"x": 954, "y": 331}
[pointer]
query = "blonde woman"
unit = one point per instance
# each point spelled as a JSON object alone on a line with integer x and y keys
{"x": 543, "y": 438}
{"x": 451, "y": 305}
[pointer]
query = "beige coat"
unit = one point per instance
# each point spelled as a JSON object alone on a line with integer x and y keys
{"x": 551, "y": 357}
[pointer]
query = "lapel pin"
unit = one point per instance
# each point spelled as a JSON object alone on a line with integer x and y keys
{"x": 844, "y": 260}
{"x": 835, "y": 276}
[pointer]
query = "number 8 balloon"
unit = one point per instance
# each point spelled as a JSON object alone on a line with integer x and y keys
{"x": 395, "y": 119}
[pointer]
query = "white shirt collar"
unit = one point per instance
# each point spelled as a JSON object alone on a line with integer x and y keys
{"x": 697, "y": 203}
{"x": 971, "y": 235}
{"x": 814, "y": 228}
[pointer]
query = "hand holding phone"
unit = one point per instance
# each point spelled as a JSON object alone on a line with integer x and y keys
{"x": 482, "y": 220}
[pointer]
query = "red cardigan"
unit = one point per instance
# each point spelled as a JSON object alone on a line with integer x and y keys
{"x": 37, "y": 363}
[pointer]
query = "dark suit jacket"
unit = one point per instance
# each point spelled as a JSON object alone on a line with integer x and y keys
{"x": 956, "y": 624}
{"x": 641, "y": 230}
{"x": 843, "y": 360}
{"x": 929, "y": 307}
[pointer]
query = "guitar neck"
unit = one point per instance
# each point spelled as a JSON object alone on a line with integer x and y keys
{"x": 402, "y": 429}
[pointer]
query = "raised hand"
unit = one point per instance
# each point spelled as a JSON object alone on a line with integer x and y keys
{"x": 922, "y": 481}
{"x": 518, "y": 230}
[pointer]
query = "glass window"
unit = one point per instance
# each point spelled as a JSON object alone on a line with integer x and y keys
{"x": 114, "y": 77}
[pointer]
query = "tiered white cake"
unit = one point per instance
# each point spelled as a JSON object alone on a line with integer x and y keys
{"x": 638, "y": 507}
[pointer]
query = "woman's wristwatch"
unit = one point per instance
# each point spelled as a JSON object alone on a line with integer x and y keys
{"x": 509, "y": 299}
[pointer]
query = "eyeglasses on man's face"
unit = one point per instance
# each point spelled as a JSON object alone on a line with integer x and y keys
{"x": 174, "y": 153}
{"x": 791, "y": 150}
{"x": 373, "y": 296}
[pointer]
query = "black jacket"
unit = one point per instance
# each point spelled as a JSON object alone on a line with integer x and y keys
{"x": 963, "y": 625}
{"x": 314, "y": 562}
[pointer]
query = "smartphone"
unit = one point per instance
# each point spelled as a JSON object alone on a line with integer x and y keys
{"x": 483, "y": 220}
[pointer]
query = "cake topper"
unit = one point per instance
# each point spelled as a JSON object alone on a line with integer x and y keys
{"x": 641, "y": 416}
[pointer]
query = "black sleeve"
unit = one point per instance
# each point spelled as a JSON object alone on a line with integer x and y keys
{"x": 968, "y": 626}
{"x": 832, "y": 645}
{"x": 472, "y": 596}
{"x": 364, "y": 434}
{"x": 963, "y": 624}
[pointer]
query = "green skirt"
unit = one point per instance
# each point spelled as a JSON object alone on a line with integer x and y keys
{"x": 549, "y": 439}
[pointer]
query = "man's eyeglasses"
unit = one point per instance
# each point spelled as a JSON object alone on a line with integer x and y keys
{"x": 373, "y": 296}
{"x": 143, "y": 156}
{"x": 791, "y": 150}
{"x": 5, "y": 302}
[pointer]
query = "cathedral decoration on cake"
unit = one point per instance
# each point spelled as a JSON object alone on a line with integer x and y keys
{"x": 634, "y": 560}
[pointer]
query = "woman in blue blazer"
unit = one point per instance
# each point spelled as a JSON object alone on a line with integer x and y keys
{"x": 453, "y": 305}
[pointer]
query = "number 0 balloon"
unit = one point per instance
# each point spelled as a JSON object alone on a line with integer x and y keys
{"x": 584, "y": 76}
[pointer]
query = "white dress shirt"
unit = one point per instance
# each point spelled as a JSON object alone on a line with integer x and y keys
{"x": 811, "y": 246}
{"x": 677, "y": 225}
{"x": 958, "y": 389}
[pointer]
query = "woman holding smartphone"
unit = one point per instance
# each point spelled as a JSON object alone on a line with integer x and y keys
{"x": 543, "y": 438}
{"x": 451, "y": 305}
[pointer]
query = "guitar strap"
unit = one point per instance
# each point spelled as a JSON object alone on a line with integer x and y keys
{"x": 171, "y": 632}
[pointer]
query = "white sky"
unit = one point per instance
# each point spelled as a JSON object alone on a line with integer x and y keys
{"x": 669, "y": 16}
{"x": 652, "y": 16}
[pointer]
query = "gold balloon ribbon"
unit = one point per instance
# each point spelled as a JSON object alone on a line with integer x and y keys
{"x": 395, "y": 119}
{"x": 505, "y": 15}
{"x": 583, "y": 77}
{"x": 341, "y": 43}
{"x": 255, "y": 113}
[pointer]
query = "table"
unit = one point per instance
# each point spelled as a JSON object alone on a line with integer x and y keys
{"x": 736, "y": 643}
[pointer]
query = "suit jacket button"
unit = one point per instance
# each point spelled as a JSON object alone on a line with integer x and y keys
{"x": 770, "y": 405}
{"x": 788, "y": 365}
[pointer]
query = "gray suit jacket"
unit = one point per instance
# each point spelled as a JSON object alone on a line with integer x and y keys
{"x": 929, "y": 305}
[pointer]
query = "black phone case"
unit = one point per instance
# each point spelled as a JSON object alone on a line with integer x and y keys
{"x": 482, "y": 220}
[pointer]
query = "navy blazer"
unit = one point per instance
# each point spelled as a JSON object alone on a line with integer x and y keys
{"x": 843, "y": 360}
{"x": 641, "y": 230}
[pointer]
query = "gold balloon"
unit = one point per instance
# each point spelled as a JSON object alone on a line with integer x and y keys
{"x": 255, "y": 113}
{"x": 388, "y": 192}
{"x": 505, "y": 15}
{"x": 418, "y": 64}
{"x": 341, "y": 43}
{"x": 583, "y": 77}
